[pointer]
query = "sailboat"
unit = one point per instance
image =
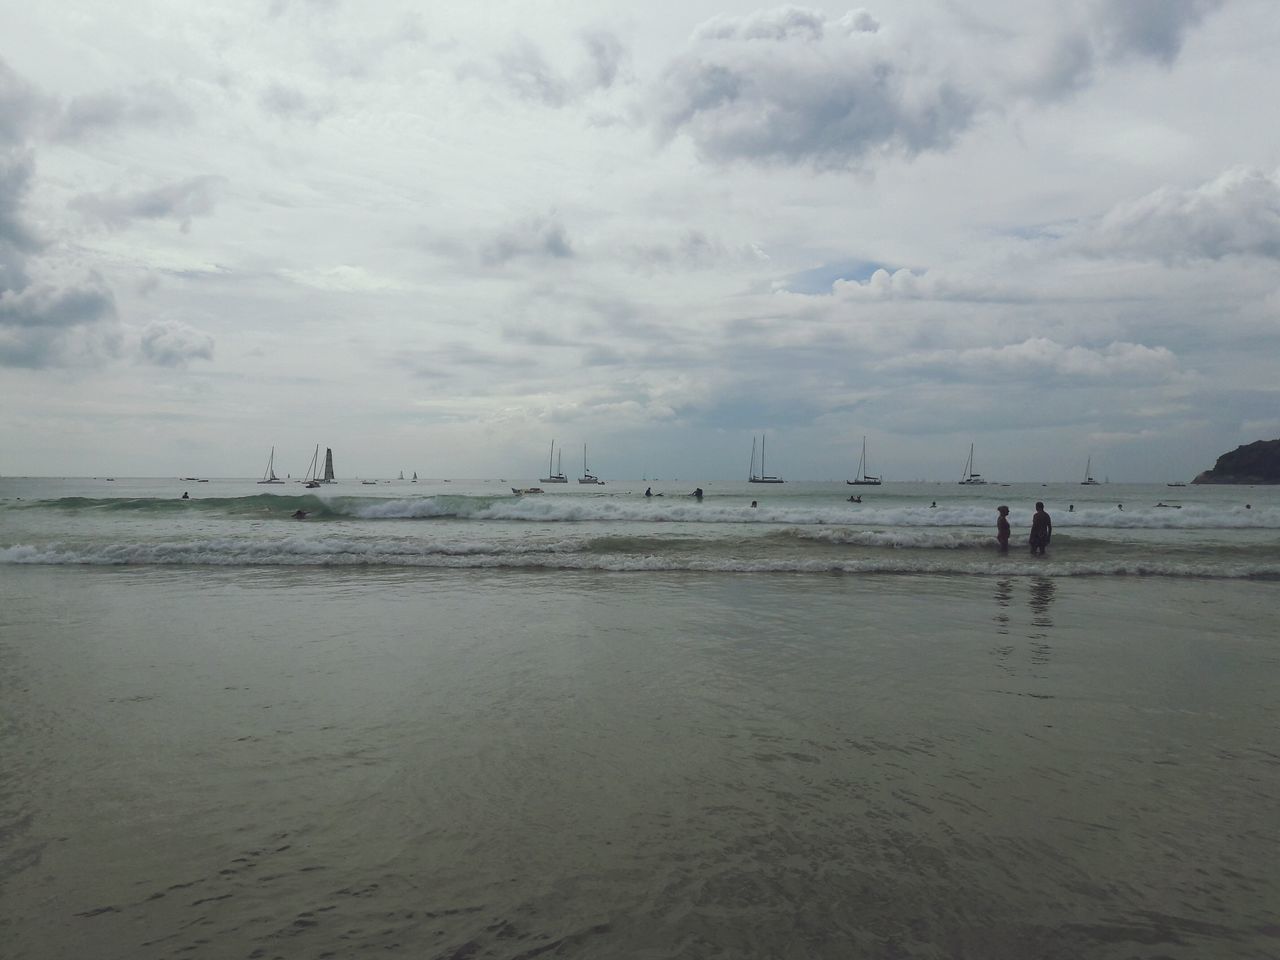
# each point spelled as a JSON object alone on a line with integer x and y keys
{"x": 312, "y": 477}
{"x": 760, "y": 477}
{"x": 863, "y": 479}
{"x": 401, "y": 475}
{"x": 587, "y": 475}
{"x": 558, "y": 476}
{"x": 269, "y": 476}
{"x": 415, "y": 477}
{"x": 1088, "y": 480}
{"x": 970, "y": 477}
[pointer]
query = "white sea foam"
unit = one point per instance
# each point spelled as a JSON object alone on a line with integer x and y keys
{"x": 570, "y": 556}
{"x": 570, "y": 509}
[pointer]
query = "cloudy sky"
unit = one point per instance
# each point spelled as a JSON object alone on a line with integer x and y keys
{"x": 435, "y": 237}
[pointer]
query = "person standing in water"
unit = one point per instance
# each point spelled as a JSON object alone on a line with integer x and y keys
{"x": 1002, "y": 528}
{"x": 1041, "y": 530}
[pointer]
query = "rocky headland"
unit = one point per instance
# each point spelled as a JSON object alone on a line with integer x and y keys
{"x": 1253, "y": 463}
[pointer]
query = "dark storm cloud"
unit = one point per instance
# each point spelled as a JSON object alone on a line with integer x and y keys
{"x": 786, "y": 89}
{"x": 792, "y": 86}
{"x": 539, "y": 238}
{"x": 85, "y": 116}
{"x": 51, "y": 316}
{"x": 45, "y": 324}
{"x": 17, "y": 239}
{"x": 56, "y": 320}
{"x": 1109, "y": 32}
{"x": 22, "y": 108}
{"x": 289, "y": 103}
{"x": 606, "y": 56}
{"x": 172, "y": 344}
{"x": 693, "y": 249}
{"x": 525, "y": 70}
{"x": 179, "y": 201}
{"x": 1150, "y": 28}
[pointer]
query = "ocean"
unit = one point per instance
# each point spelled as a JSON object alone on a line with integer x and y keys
{"x": 438, "y": 720}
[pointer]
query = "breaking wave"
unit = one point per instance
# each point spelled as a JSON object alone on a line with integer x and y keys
{"x": 550, "y": 508}
{"x": 586, "y": 555}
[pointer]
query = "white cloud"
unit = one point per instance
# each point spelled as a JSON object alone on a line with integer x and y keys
{"x": 344, "y": 278}
{"x": 904, "y": 284}
{"x": 1236, "y": 214}
{"x": 1038, "y": 358}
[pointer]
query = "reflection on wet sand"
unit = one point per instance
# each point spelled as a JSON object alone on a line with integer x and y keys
{"x": 1041, "y": 594}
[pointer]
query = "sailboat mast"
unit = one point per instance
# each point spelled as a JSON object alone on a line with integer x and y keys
{"x": 551, "y": 457}
{"x": 752, "y": 472}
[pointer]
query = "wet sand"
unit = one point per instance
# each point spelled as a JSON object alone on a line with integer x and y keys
{"x": 352, "y": 763}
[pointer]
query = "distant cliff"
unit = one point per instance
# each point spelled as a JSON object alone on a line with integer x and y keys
{"x": 1253, "y": 463}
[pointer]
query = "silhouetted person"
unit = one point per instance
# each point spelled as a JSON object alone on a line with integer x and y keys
{"x": 299, "y": 514}
{"x": 1041, "y": 530}
{"x": 185, "y": 495}
{"x": 754, "y": 504}
{"x": 648, "y": 491}
{"x": 697, "y": 493}
{"x": 1002, "y": 528}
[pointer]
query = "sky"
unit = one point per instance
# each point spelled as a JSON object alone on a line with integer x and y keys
{"x": 436, "y": 238}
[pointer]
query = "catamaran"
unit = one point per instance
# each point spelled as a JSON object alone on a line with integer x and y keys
{"x": 970, "y": 477}
{"x": 761, "y": 477}
{"x": 269, "y": 476}
{"x": 314, "y": 477}
{"x": 558, "y": 476}
{"x": 863, "y": 479}
{"x": 587, "y": 475}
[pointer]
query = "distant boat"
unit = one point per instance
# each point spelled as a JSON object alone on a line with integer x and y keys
{"x": 587, "y": 475}
{"x": 863, "y": 479}
{"x": 1167, "y": 484}
{"x": 369, "y": 483}
{"x": 415, "y": 477}
{"x": 401, "y": 475}
{"x": 312, "y": 477}
{"x": 761, "y": 477}
{"x": 269, "y": 475}
{"x": 1088, "y": 480}
{"x": 558, "y": 476}
{"x": 971, "y": 477}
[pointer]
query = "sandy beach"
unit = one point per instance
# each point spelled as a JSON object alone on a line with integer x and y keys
{"x": 348, "y": 763}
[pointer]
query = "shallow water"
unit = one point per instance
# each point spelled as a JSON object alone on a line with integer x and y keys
{"x": 944, "y": 529}
{"x": 230, "y": 762}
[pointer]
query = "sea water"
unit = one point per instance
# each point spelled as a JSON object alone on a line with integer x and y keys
{"x": 441, "y": 720}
